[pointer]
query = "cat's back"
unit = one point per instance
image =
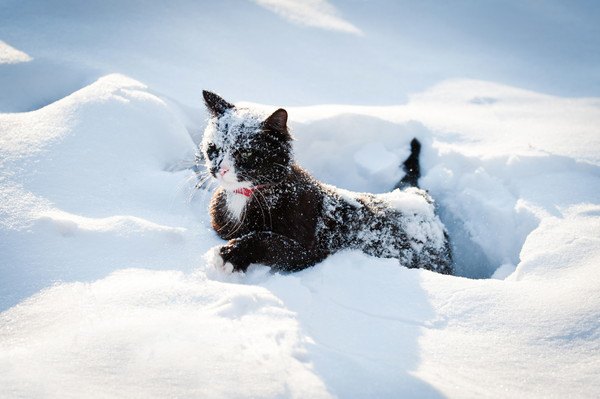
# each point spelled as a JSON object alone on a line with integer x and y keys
{"x": 390, "y": 224}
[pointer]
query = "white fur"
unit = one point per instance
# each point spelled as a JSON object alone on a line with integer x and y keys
{"x": 236, "y": 204}
{"x": 229, "y": 181}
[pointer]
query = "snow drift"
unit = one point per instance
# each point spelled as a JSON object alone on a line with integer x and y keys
{"x": 105, "y": 288}
{"x": 95, "y": 194}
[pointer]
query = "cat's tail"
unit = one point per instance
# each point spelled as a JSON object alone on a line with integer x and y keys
{"x": 411, "y": 167}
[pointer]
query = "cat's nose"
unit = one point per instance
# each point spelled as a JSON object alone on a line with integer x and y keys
{"x": 223, "y": 170}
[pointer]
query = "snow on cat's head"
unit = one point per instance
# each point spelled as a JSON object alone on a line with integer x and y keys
{"x": 243, "y": 147}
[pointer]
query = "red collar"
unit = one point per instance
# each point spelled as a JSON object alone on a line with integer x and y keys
{"x": 247, "y": 192}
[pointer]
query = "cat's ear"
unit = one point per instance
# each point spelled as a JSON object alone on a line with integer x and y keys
{"x": 277, "y": 123}
{"x": 215, "y": 104}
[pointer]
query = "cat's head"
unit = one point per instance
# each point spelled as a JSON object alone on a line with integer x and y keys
{"x": 244, "y": 148}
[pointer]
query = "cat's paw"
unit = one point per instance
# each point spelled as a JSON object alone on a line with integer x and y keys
{"x": 232, "y": 254}
{"x": 215, "y": 260}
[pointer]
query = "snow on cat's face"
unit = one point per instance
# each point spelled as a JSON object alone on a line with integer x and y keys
{"x": 227, "y": 147}
{"x": 243, "y": 148}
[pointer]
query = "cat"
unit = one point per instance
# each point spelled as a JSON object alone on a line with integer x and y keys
{"x": 275, "y": 213}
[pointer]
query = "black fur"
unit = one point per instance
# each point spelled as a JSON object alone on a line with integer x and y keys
{"x": 411, "y": 167}
{"x": 215, "y": 104}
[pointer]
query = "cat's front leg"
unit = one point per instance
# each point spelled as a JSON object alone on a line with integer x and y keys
{"x": 235, "y": 253}
{"x": 271, "y": 249}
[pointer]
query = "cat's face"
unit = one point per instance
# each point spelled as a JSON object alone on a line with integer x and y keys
{"x": 243, "y": 148}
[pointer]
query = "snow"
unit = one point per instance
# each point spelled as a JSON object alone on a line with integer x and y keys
{"x": 375, "y": 159}
{"x": 107, "y": 287}
{"x": 10, "y": 55}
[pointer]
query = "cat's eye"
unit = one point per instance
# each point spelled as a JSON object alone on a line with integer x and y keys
{"x": 212, "y": 151}
{"x": 243, "y": 154}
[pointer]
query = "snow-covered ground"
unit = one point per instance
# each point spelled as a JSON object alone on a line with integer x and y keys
{"x": 105, "y": 288}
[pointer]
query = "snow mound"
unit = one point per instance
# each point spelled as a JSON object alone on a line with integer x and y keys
{"x": 105, "y": 290}
{"x": 165, "y": 328}
{"x": 83, "y": 175}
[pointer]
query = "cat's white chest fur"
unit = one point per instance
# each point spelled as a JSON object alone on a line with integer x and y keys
{"x": 236, "y": 204}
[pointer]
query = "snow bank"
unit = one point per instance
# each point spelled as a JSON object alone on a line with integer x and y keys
{"x": 495, "y": 167}
{"x": 104, "y": 290}
{"x": 82, "y": 188}
{"x": 140, "y": 334}
{"x": 95, "y": 195}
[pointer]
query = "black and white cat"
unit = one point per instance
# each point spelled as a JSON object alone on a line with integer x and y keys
{"x": 273, "y": 212}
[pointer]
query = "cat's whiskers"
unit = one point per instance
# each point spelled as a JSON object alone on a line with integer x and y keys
{"x": 281, "y": 165}
{"x": 200, "y": 183}
{"x": 205, "y": 183}
{"x": 255, "y": 195}
{"x": 237, "y": 222}
{"x": 203, "y": 173}
{"x": 267, "y": 180}
{"x": 238, "y": 225}
{"x": 229, "y": 219}
{"x": 180, "y": 189}
{"x": 246, "y": 178}
{"x": 264, "y": 199}
{"x": 186, "y": 182}
{"x": 261, "y": 208}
